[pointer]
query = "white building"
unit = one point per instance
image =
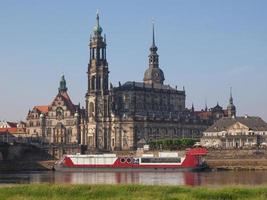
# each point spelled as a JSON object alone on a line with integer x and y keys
{"x": 236, "y": 132}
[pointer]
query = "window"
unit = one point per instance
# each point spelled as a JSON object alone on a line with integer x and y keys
{"x": 91, "y": 109}
{"x": 160, "y": 160}
{"x": 93, "y": 83}
{"x": 126, "y": 101}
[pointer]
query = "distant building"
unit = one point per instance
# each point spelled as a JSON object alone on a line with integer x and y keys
{"x": 57, "y": 123}
{"x": 236, "y": 132}
{"x": 213, "y": 114}
{"x": 6, "y": 124}
{"x": 12, "y": 131}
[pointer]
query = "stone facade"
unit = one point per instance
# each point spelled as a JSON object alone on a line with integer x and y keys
{"x": 236, "y": 132}
{"x": 57, "y": 123}
{"x": 122, "y": 117}
{"x": 134, "y": 113}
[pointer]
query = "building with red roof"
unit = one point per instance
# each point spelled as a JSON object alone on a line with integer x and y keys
{"x": 11, "y": 131}
{"x": 58, "y": 122}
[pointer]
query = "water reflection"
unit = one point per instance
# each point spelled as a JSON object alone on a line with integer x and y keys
{"x": 213, "y": 179}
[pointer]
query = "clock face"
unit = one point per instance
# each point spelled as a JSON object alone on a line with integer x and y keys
{"x": 156, "y": 76}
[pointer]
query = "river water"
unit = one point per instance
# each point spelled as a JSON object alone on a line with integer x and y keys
{"x": 211, "y": 179}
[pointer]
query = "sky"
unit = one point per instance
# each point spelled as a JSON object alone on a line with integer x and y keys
{"x": 206, "y": 46}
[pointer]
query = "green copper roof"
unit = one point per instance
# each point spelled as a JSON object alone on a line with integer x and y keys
{"x": 62, "y": 84}
{"x": 97, "y": 28}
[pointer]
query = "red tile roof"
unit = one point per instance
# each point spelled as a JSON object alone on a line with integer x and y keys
{"x": 9, "y": 130}
{"x": 204, "y": 114}
{"x": 42, "y": 109}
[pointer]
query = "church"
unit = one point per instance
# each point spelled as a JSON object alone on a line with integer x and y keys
{"x": 123, "y": 117}
{"x": 134, "y": 113}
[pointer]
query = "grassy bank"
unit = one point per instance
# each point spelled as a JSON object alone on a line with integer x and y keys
{"x": 124, "y": 192}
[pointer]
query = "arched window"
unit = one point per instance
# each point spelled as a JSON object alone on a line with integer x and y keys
{"x": 126, "y": 101}
{"x": 93, "y": 83}
{"x": 91, "y": 109}
{"x": 98, "y": 85}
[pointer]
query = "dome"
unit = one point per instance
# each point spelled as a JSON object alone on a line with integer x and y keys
{"x": 154, "y": 75}
{"x": 97, "y": 30}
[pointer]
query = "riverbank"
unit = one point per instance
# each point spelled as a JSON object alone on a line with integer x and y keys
{"x": 237, "y": 164}
{"x": 135, "y": 192}
{"x": 237, "y": 159}
{"x": 28, "y": 165}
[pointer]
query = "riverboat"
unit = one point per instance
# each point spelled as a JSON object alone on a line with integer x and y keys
{"x": 164, "y": 161}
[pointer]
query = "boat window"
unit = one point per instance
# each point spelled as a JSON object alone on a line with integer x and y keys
{"x": 160, "y": 160}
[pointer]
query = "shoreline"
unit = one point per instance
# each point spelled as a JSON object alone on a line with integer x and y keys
{"x": 216, "y": 160}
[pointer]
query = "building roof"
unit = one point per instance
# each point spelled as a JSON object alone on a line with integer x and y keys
{"x": 67, "y": 100}
{"x": 253, "y": 123}
{"x": 42, "y": 109}
{"x": 204, "y": 114}
{"x": 131, "y": 85}
{"x": 9, "y": 130}
{"x": 6, "y": 124}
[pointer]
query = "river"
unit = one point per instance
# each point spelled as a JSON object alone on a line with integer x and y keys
{"x": 211, "y": 179}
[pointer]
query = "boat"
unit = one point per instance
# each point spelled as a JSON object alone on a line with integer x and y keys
{"x": 164, "y": 161}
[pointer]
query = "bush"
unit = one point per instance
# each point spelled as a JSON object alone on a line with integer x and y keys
{"x": 173, "y": 144}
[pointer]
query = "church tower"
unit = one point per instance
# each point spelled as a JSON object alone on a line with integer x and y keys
{"x": 98, "y": 91}
{"x": 231, "y": 109}
{"x": 153, "y": 75}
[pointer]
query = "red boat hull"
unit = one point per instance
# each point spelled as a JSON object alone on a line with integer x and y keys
{"x": 192, "y": 161}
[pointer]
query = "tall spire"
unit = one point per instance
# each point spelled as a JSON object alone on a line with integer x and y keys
{"x": 97, "y": 67}
{"x": 153, "y": 34}
{"x": 231, "y": 101}
{"x": 193, "y": 108}
{"x": 97, "y": 17}
{"x": 231, "y": 107}
{"x": 153, "y": 74}
{"x": 206, "y": 105}
{"x": 97, "y": 28}
{"x": 153, "y": 47}
{"x": 153, "y": 56}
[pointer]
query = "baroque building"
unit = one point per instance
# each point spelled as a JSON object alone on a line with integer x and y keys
{"x": 122, "y": 117}
{"x": 134, "y": 113}
{"x": 57, "y": 123}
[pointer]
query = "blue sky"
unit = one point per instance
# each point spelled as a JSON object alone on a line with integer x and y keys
{"x": 206, "y": 46}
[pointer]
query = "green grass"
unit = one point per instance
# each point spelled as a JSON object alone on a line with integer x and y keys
{"x": 125, "y": 192}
